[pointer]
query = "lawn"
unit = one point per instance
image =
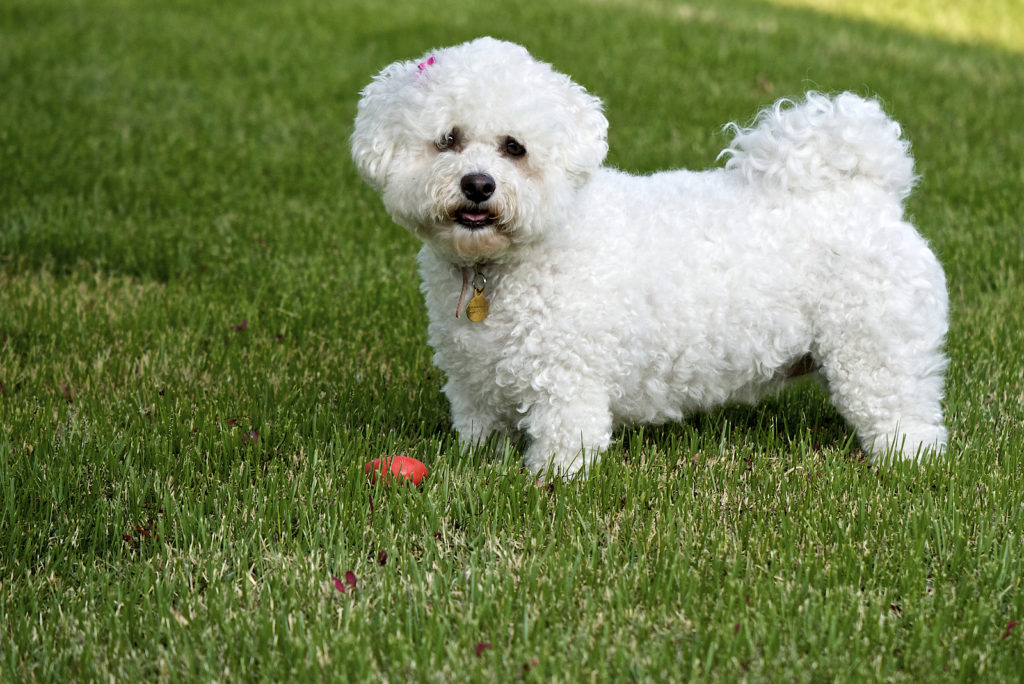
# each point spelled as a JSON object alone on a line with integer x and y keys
{"x": 208, "y": 324}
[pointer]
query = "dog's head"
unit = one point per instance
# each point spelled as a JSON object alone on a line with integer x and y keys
{"x": 477, "y": 148}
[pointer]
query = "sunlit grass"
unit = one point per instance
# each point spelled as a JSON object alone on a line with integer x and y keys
{"x": 993, "y": 23}
{"x": 997, "y": 23}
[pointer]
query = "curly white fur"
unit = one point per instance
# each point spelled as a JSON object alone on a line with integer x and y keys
{"x": 618, "y": 299}
{"x": 809, "y": 146}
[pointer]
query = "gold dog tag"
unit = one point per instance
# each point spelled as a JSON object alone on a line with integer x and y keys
{"x": 478, "y": 307}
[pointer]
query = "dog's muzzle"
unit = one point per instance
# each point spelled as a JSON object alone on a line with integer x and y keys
{"x": 477, "y": 188}
{"x": 473, "y": 218}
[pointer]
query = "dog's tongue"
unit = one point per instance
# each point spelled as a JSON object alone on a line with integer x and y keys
{"x": 474, "y": 217}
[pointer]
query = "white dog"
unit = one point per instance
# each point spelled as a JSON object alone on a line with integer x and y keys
{"x": 598, "y": 299}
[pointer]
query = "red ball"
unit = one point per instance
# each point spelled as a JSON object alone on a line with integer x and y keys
{"x": 396, "y": 467}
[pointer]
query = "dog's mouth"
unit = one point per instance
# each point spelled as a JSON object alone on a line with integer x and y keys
{"x": 474, "y": 219}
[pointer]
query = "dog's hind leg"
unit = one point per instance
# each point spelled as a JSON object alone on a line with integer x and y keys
{"x": 896, "y": 412}
{"x": 884, "y": 367}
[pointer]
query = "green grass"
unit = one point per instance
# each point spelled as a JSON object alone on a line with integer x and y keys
{"x": 208, "y": 325}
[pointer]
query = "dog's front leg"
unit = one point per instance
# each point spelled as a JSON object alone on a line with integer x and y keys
{"x": 568, "y": 434}
{"x": 473, "y": 419}
{"x": 473, "y": 427}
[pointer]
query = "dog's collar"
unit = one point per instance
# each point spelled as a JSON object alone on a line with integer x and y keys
{"x": 478, "y": 307}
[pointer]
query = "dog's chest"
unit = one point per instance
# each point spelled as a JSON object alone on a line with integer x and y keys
{"x": 490, "y": 326}
{"x": 493, "y": 344}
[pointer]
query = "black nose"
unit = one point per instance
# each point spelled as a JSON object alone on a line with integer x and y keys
{"x": 477, "y": 187}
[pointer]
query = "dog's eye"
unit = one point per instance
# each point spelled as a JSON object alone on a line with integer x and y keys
{"x": 448, "y": 141}
{"x": 514, "y": 148}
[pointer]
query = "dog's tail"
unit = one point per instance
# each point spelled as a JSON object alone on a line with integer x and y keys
{"x": 814, "y": 144}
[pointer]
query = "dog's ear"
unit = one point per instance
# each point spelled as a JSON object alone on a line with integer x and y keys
{"x": 377, "y": 133}
{"x": 588, "y": 143}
